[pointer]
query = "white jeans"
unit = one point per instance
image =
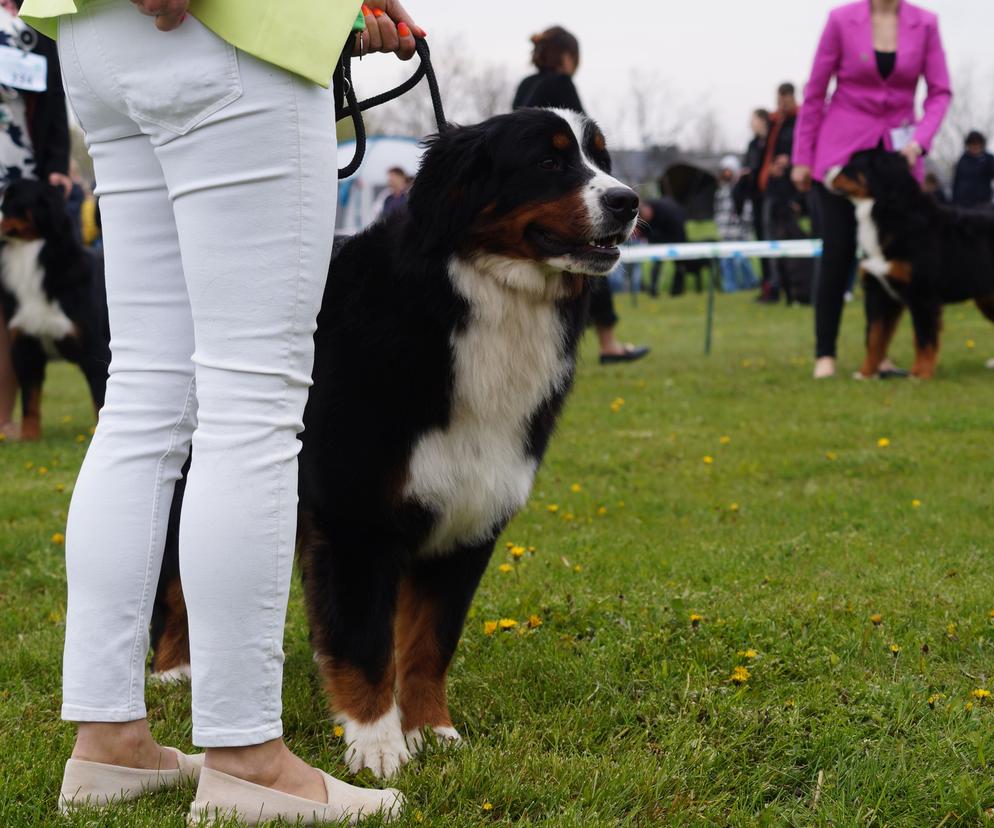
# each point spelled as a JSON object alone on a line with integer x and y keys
{"x": 217, "y": 181}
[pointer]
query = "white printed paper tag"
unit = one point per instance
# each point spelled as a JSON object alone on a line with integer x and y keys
{"x": 901, "y": 137}
{"x": 23, "y": 70}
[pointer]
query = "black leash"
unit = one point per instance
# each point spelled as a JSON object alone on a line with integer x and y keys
{"x": 350, "y": 107}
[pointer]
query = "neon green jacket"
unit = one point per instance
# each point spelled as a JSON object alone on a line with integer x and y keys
{"x": 304, "y": 36}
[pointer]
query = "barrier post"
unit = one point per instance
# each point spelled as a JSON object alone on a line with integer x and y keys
{"x": 709, "y": 323}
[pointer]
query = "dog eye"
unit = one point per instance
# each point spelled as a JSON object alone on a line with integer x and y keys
{"x": 551, "y": 164}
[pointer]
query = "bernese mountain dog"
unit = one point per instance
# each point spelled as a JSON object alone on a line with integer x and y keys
{"x": 917, "y": 253}
{"x": 54, "y": 296}
{"x": 445, "y": 349}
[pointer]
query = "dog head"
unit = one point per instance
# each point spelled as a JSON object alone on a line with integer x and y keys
{"x": 874, "y": 175}
{"x": 534, "y": 185}
{"x": 33, "y": 210}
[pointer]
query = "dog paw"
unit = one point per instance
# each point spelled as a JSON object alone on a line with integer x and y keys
{"x": 173, "y": 676}
{"x": 445, "y": 736}
{"x": 378, "y": 745}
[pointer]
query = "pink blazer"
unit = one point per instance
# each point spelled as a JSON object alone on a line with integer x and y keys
{"x": 864, "y": 107}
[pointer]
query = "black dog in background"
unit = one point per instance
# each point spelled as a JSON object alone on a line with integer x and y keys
{"x": 54, "y": 296}
{"x": 917, "y": 253}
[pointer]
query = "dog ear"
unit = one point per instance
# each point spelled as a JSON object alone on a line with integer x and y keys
{"x": 454, "y": 185}
{"x": 49, "y": 214}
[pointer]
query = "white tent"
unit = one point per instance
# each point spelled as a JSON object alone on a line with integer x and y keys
{"x": 360, "y": 198}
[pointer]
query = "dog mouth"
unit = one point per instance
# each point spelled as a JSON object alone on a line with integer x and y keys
{"x": 600, "y": 251}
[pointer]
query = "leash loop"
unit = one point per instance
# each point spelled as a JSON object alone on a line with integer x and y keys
{"x": 352, "y": 108}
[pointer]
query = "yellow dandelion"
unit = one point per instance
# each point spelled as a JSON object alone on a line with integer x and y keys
{"x": 55, "y": 616}
{"x": 621, "y": 504}
{"x": 895, "y": 649}
{"x": 916, "y": 504}
{"x": 532, "y": 549}
{"x": 970, "y": 344}
{"x": 951, "y": 630}
{"x": 602, "y": 511}
{"x": 3, "y": 436}
{"x": 569, "y": 516}
{"x": 489, "y": 627}
{"x": 883, "y": 442}
{"x": 43, "y": 470}
{"x": 487, "y": 806}
{"x": 991, "y": 614}
{"x": 746, "y": 363}
{"x": 419, "y": 816}
{"x": 750, "y": 653}
{"x": 576, "y": 488}
{"x": 60, "y": 487}
{"x": 58, "y": 539}
{"x": 506, "y": 568}
{"x": 66, "y": 418}
{"x": 338, "y": 731}
{"x": 534, "y": 622}
{"x": 734, "y": 507}
{"x": 740, "y": 675}
{"x": 517, "y": 552}
{"x": 725, "y": 440}
{"x": 695, "y": 619}
{"x": 507, "y": 623}
{"x": 80, "y": 438}
{"x": 831, "y": 455}
{"x": 934, "y": 699}
{"x": 708, "y": 459}
{"x": 968, "y": 706}
{"x": 789, "y": 704}
{"x": 577, "y": 568}
{"x": 553, "y": 507}
{"x": 509, "y": 545}
{"x": 877, "y": 619}
{"x": 28, "y": 466}
{"x": 980, "y": 694}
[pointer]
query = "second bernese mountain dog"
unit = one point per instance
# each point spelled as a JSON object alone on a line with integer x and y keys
{"x": 445, "y": 350}
{"x": 917, "y": 253}
{"x": 53, "y": 294}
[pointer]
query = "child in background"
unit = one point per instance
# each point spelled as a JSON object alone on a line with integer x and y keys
{"x": 734, "y": 224}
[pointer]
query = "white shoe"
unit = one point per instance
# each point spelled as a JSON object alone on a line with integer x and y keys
{"x": 220, "y": 796}
{"x": 824, "y": 368}
{"x": 94, "y": 784}
{"x": 990, "y": 364}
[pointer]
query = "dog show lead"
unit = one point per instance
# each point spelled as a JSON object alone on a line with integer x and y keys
{"x": 193, "y": 122}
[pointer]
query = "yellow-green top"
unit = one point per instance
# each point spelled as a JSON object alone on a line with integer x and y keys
{"x": 303, "y": 36}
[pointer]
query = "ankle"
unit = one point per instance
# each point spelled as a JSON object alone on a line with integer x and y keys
{"x": 260, "y": 764}
{"x": 129, "y": 744}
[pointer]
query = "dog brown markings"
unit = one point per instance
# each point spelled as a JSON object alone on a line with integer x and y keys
{"x": 600, "y": 142}
{"x": 31, "y": 414}
{"x": 927, "y": 354}
{"x": 900, "y": 271}
{"x": 421, "y": 666}
{"x": 876, "y": 347}
{"x": 852, "y": 187}
{"x": 505, "y": 235}
{"x": 561, "y": 141}
{"x": 173, "y": 647}
{"x": 18, "y": 228}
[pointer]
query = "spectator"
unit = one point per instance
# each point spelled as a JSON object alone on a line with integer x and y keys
{"x": 780, "y": 198}
{"x": 556, "y": 56}
{"x": 664, "y": 221}
{"x": 974, "y": 173}
{"x": 933, "y": 187}
{"x": 34, "y": 143}
{"x": 749, "y": 190}
{"x": 398, "y": 184}
{"x": 873, "y": 105}
{"x": 734, "y": 224}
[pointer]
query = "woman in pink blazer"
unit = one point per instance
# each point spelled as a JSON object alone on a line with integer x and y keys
{"x": 877, "y": 51}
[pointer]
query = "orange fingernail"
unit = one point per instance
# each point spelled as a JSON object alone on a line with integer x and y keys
{"x": 376, "y": 12}
{"x": 366, "y": 10}
{"x": 403, "y": 29}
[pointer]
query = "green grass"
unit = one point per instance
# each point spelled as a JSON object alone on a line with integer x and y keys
{"x": 616, "y": 711}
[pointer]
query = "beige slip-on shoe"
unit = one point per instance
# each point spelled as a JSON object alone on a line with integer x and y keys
{"x": 221, "y": 796}
{"x": 94, "y": 784}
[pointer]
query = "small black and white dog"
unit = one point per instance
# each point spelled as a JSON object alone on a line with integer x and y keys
{"x": 917, "y": 253}
{"x": 54, "y": 296}
{"x": 445, "y": 349}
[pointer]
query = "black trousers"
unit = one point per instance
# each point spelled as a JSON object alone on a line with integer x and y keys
{"x": 602, "y": 312}
{"x": 835, "y": 220}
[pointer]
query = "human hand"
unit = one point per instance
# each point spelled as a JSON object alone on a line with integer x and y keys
{"x": 912, "y": 152}
{"x": 64, "y": 182}
{"x": 801, "y": 176}
{"x": 389, "y": 28}
{"x": 168, "y": 14}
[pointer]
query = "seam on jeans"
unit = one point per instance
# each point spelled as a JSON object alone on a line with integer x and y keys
{"x": 153, "y": 533}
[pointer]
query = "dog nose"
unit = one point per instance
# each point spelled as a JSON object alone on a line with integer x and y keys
{"x": 622, "y": 203}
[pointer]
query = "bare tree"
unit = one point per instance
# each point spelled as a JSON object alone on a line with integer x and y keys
{"x": 972, "y": 108}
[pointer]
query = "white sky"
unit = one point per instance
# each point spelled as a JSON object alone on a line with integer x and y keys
{"x": 730, "y": 54}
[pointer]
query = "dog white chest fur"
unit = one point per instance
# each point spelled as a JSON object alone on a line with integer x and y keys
{"x": 23, "y": 277}
{"x": 509, "y": 359}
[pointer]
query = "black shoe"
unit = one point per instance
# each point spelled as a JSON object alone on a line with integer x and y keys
{"x": 631, "y": 354}
{"x": 894, "y": 373}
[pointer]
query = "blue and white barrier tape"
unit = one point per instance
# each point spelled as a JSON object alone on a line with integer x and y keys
{"x": 793, "y": 249}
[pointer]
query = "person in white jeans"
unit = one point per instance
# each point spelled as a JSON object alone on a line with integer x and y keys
{"x": 217, "y": 175}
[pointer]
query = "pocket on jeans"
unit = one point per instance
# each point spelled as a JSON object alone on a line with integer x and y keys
{"x": 177, "y": 79}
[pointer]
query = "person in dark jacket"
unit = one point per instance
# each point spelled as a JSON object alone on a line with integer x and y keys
{"x": 556, "y": 56}
{"x": 34, "y": 143}
{"x": 974, "y": 174}
{"x": 748, "y": 186}
{"x": 664, "y": 221}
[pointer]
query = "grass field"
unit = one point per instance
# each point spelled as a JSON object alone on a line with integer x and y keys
{"x": 833, "y": 539}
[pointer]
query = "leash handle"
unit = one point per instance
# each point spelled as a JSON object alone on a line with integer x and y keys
{"x": 355, "y": 108}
